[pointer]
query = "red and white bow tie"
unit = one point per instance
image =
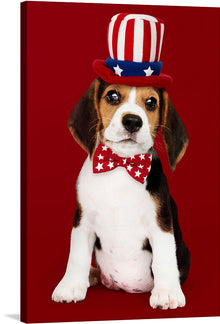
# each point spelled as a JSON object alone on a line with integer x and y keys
{"x": 138, "y": 166}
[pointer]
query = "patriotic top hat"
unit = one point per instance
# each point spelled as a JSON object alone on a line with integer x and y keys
{"x": 134, "y": 43}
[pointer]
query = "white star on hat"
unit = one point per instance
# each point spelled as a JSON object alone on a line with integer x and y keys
{"x": 118, "y": 70}
{"x": 129, "y": 167}
{"x": 148, "y": 71}
{"x": 142, "y": 157}
{"x": 99, "y": 166}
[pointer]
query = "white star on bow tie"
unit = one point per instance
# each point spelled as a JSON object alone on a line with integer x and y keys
{"x": 99, "y": 166}
{"x": 137, "y": 173}
{"x": 101, "y": 157}
{"x": 111, "y": 165}
{"x": 104, "y": 148}
{"x": 129, "y": 167}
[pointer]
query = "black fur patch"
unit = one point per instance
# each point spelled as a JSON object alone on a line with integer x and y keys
{"x": 158, "y": 188}
{"x": 173, "y": 130}
{"x": 83, "y": 120}
{"x": 77, "y": 218}
{"x": 98, "y": 243}
{"x": 167, "y": 214}
{"x": 147, "y": 246}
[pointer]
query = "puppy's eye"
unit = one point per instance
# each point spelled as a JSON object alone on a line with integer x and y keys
{"x": 151, "y": 103}
{"x": 113, "y": 97}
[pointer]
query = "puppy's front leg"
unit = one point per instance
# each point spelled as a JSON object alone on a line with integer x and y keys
{"x": 167, "y": 292}
{"x": 73, "y": 286}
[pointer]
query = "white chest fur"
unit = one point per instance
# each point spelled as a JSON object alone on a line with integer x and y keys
{"x": 122, "y": 214}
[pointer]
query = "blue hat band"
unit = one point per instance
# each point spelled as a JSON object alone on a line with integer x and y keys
{"x": 129, "y": 68}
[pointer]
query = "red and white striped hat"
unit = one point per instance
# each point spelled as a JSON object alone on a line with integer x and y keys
{"x": 134, "y": 43}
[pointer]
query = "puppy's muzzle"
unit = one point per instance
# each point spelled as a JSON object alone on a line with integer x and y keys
{"x": 132, "y": 123}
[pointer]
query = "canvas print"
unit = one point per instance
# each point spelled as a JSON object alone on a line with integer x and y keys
{"x": 125, "y": 214}
{"x": 119, "y": 199}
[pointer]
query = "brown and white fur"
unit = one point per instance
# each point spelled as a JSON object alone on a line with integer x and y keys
{"x": 131, "y": 228}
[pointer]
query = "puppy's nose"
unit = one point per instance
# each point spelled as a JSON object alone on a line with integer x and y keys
{"x": 132, "y": 123}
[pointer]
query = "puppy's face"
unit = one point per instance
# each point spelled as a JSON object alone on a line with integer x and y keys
{"x": 129, "y": 118}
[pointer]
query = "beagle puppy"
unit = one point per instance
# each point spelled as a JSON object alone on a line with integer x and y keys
{"x": 131, "y": 227}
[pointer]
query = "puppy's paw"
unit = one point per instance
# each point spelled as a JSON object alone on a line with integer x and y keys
{"x": 65, "y": 292}
{"x": 167, "y": 299}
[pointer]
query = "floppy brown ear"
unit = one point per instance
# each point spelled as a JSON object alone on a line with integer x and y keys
{"x": 173, "y": 131}
{"x": 83, "y": 122}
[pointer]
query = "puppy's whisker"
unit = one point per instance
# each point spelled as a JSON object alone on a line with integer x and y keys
{"x": 99, "y": 138}
{"x": 92, "y": 139}
{"x": 163, "y": 126}
{"x": 100, "y": 134}
{"x": 94, "y": 121}
{"x": 93, "y": 127}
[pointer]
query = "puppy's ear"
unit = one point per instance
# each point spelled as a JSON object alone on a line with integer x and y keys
{"x": 173, "y": 131}
{"x": 83, "y": 122}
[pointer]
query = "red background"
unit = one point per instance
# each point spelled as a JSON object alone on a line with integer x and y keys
{"x": 59, "y": 43}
